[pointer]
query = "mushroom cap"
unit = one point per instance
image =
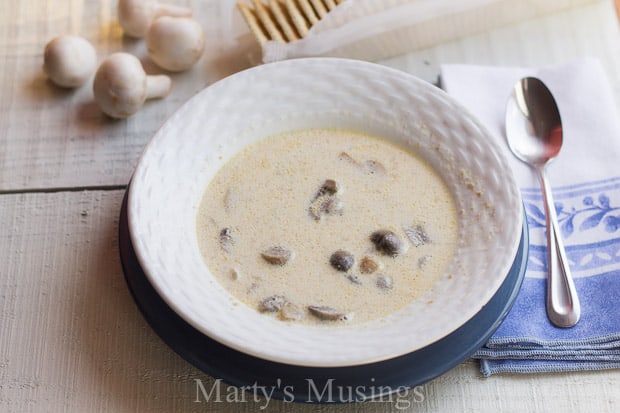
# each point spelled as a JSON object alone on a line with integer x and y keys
{"x": 69, "y": 60}
{"x": 135, "y": 16}
{"x": 175, "y": 43}
{"x": 120, "y": 85}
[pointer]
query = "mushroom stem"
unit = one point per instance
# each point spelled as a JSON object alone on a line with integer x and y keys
{"x": 157, "y": 86}
{"x": 172, "y": 10}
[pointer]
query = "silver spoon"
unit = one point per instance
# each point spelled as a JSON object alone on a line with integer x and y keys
{"x": 534, "y": 132}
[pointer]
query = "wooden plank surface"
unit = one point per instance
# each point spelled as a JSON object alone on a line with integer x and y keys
{"x": 54, "y": 138}
{"x": 51, "y": 137}
{"x": 71, "y": 337}
{"x": 73, "y": 340}
{"x": 591, "y": 31}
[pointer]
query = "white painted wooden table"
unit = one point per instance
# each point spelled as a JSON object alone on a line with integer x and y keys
{"x": 71, "y": 337}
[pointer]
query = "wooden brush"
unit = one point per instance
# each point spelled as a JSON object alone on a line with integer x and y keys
{"x": 284, "y": 20}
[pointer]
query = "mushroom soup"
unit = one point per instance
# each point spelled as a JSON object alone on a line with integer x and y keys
{"x": 326, "y": 225}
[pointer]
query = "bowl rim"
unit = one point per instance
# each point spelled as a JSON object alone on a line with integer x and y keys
{"x": 236, "y": 338}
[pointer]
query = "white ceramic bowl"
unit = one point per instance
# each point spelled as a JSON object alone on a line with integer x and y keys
{"x": 208, "y": 130}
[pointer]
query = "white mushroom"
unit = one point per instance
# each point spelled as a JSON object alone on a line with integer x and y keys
{"x": 121, "y": 86}
{"x": 135, "y": 16}
{"x": 175, "y": 43}
{"x": 69, "y": 61}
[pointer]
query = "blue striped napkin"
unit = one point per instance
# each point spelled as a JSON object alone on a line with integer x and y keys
{"x": 585, "y": 179}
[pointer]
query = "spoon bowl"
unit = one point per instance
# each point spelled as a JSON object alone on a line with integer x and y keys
{"x": 534, "y": 134}
{"x": 534, "y": 125}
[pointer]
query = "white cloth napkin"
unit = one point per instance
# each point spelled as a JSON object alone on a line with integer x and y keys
{"x": 585, "y": 179}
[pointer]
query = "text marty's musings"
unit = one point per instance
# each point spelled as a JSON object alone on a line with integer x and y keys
{"x": 327, "y": 392}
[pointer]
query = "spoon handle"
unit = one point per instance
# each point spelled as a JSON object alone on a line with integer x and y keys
{"x": 563, "y": 308}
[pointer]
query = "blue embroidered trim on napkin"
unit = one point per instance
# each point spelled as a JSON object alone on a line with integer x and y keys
{"x": 586, "y": 188}
{"x": 526, "y": 341}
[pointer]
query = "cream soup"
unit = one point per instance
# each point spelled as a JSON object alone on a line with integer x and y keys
{"x": 326, "y": 226}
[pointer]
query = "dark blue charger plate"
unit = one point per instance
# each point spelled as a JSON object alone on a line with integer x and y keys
{"x": 317, "y": 384}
